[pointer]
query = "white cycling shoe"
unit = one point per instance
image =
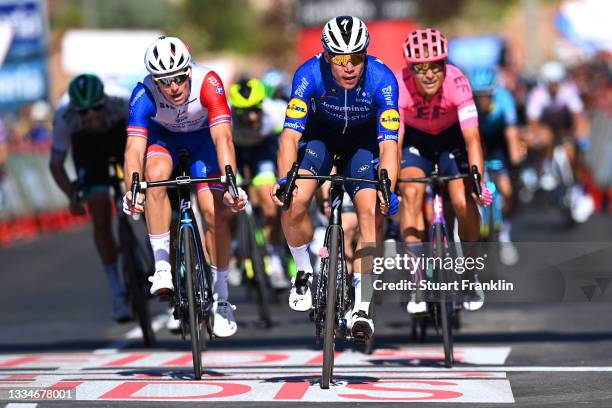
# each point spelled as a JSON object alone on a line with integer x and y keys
{"x": 362, "y": 326}
{"x": 224, "y": 325}
{"x": 300, "y": 298}
{"x": 161, "y": 282}
{"x": 416, "y": 307}
{"x": 173, "y": 325}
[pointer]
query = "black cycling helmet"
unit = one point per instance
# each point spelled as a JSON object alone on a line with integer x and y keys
{"x": 85, "y": 91}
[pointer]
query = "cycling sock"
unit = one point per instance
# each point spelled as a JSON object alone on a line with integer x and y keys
{"x": 114, "y": 280}
{"x": 362, "y": 298}
{"x": 220, "y": 282}
{"x": 506, "y": 229}
{"x": 160, "y": 244}
{"x": 416, "y": 267}
{"x": 301, "y": 257}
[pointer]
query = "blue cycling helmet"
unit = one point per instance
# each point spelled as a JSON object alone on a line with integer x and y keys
{"x": 483, "y": 80}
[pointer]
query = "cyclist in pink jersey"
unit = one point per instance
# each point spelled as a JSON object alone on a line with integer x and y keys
{"x": 439, "y": 123}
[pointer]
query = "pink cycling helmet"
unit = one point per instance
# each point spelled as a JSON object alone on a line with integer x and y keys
{"x": 426, "y": 45}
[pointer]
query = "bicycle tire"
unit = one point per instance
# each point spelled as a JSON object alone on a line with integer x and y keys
{"x": 187, "y": 241}
{"x": 330, "y": 307}
{"x": 259, "y": 270}
{"x": 134, "y": 275}
{"x": 443, "y": 304}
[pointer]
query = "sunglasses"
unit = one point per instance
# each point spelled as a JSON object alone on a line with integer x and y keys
{"x": 344, "y": 59}
{"x": 94, "y": 108}
{"x": 436, "y": 67}
{"x": 177, "y": 79}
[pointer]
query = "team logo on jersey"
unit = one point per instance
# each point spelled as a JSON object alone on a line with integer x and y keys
{"x": 296, "y": 109}
{"x": 390, "y": 119}
{"x": 219, "y": 90}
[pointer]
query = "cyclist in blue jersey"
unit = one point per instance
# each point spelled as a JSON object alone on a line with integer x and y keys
{"x": 343, "y": 102}
{"x": 497, "y": 120}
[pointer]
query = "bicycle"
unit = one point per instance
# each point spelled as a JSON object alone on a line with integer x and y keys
{"x": 332, "y": 300}
{"x": 193, "y": 282}
{"x": 443, "y": 309}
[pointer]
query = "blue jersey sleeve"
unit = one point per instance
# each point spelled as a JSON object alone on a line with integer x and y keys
{"x": 508, "y": 107}
{"x": 142, "y": 107}
{"x": 386, "y": 99}
{"x": 302, "y": 90}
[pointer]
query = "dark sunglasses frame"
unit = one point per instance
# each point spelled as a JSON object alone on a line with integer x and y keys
{"x": 178, "y": 79}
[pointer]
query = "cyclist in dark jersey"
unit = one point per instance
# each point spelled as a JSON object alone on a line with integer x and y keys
{"x": 91, "y": 122}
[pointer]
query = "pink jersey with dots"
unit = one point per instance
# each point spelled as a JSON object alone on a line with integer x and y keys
{"x": 454, "y": 102}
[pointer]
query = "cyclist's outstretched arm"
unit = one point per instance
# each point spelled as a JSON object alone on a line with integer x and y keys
{"x": 473, "y": 146}
{"x": 222, "y": 138}
{"x": 134, "y": 159}
{"x": 514, "y": 145}
{"x": 389, "y": 159}
{"x": 287, "y": 150}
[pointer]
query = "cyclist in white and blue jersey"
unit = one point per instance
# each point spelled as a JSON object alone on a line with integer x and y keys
{"x": 343, "y": 102}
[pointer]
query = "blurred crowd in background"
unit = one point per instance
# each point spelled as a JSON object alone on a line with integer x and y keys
{"x": 45, "y": 43}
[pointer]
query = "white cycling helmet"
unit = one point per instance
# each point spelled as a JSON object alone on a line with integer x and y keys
{"x": 345, "y": 35}
{"x": 167, "y": 55}
{"x": 552, "y": 72}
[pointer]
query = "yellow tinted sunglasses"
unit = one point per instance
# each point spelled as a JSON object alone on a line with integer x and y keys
{"x": 344, "y": 59}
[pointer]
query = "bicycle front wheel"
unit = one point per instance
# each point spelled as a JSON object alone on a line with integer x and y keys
{"x": 445, "y": 304}
{"x": 329, "y": 334}
{"x": 189, "y": 262}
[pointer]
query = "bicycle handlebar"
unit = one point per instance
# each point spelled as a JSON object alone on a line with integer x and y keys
{"x": 384, "y": 184}
{"x": 229, "y": 179}
{"x": 474, "y": 175}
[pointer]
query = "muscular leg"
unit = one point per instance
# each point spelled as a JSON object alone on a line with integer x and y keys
{"x": 370, "y": 231}
{"x": 465, "y": 210}
{"x": 411, "y": 207}
{"x": 100, "y": 208}
{"x": 217, "y": 237}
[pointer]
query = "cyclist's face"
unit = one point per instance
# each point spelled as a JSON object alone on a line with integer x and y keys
{"x": 178, "y": 89}
{"x": 483, "y": 102}
{"x": 429, "y": 81}
{"x": 346, "y": 76}
{"x": 250, "y": 117}
{"x": 93, "y": 118}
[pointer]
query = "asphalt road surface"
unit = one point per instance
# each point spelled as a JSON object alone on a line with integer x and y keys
{"x": 56, "y": 332}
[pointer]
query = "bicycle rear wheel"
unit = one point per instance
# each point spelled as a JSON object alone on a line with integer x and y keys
{"x": 134, "y": 271}
{"x": 445, "y": 305}
{"x": 329, "y": 334}
{"x": 189, "y": 260}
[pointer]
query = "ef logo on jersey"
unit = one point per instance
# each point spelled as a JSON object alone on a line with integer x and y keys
{"x": 296, "y": 109}
{"x": 390, "y": 119}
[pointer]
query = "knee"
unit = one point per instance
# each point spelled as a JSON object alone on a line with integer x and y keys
{"x": 412, "y": 199}
{"x": 460, "y": 205}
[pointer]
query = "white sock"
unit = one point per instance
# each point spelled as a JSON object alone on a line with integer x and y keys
{"x": 220, "y": 282}
{"x": 114, "y": 280}
{"x": 506, "y": 229}
{"x": 361, "y": 302}
{"x": 301, "y": 257}
{"x": 161, "y": 250}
